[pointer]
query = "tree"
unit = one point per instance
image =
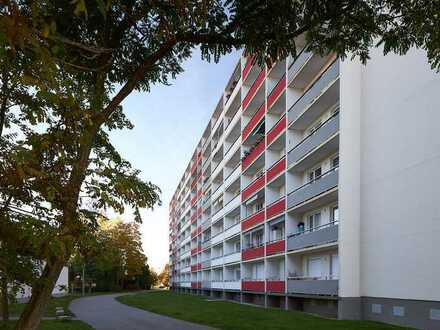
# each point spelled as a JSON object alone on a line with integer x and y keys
{"x": 114, "y": 260}
{"x": 86, "y": 58}
{"x": 164, "y": 275}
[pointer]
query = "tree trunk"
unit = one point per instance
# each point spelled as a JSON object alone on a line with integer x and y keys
{"x": 41, "y": 295}
{"x": 4, "y": 299}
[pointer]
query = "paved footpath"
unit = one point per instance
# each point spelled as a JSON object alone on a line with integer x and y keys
{"x": 106, "y": 313}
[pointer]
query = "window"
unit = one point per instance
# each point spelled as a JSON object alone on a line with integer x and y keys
{"x": 259, "y": 239}
{"x": 315, "y": 174}
{"x": 237, "y": 274}
{"x": 314, "y": 221}
{"x": 237, "y": 246}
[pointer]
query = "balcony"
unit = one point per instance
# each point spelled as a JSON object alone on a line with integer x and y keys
{"x": 276, "y": 208}
{"x": 253, "y": 155}
{"x": 206, "y": 244}
{"x": 216, "y": 261}
{"x": 206, "y": 284}
{"x": 252, "y": 253}
{"x": 312, "y": 146}
{"x": 233, "y": 230}
{"x": 275, "y": 247}
{"x": 322, "y": 95}
{"x": 232, "y": 285}
{"x": 217, "y": 238}
{"x": 206, "y": 224}
{"x": 258, "y": 116}
{"x": 232, "y": 257}
{"x": 217, "y": 285}
{"x": 276, "y": 169}
{"x": 254, "y": 88}
{"x": 324, "y": 234}
{"x": 313, "y": 286}
{"x": 322, "y": 184}
{"x": 298, "y": 64}
{"x": 253, "y": 220}
{"x": 275, "y": 286}
{"x": 206, "y": 264}
{"x": 277, "y": 90}
{"x": 276, "y": 130}
{"x": 253, "y": 187}
{"x": 252, "y": 285}
{"x": 232, "y": 204}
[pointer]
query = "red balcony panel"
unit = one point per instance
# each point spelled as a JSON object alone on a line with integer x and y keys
{"x": 275, "y": 247}
{"x": 247, "y": 67}
{"x": 253, "y": 90}
{"x": 199, "y": 249}
{"x": 276, "y": 208}
{"x": 193, "y": 183}
{"x": 254, "y": 121}
{"x": 276, "y": 286}
{"x": 194, "y": 200}
{"x": 194, "y": 233}
{"x": 199, "y": 230}
{"x": 193, "y": 251}
{"x": 194, "y": 268}
{"x": 194, "y": 218}
{"x": 252, "y": 253}
{"x": 255, "y": 153}
{"x": 199, "y": 285}
{"x": 194, "y": 285}
{"x": 276, "y": 169}
{"x": 199, "y": 193}
{"x": 252, "y": 286}
{"x": 199, "y": 266}
{"x": 253, "y": 187}
{"x": 275, "y": 131}
{"x": 199, "y": 211}
{"x": 276, "y": 92}
{"x": 253, "y": 220}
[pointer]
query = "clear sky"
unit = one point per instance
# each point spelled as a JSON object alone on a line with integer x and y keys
{"x": 169, "y": 121}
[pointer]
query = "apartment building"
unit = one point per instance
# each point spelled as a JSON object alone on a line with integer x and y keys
{"x": 315, "y": 187}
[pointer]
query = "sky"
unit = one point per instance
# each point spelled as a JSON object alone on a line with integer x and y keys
{"x": 169, "y": 122}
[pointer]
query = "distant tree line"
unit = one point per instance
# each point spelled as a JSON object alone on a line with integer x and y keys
{"x": 113, "y": 261}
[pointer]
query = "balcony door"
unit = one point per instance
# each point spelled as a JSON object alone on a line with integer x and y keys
{"x": 314, "y": 267}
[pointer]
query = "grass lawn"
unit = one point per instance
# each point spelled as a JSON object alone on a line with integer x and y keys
{"x": 233, "y": 316}
{"x": 52, "y": 325}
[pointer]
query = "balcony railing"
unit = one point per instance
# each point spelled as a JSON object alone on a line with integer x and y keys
{"x": 253, "y": 90}
{"x": 313, "y": 286}
{"x": 323, "y": 183}
{"x": 253, "y": 187}
{"x": 253, "y": 220}
{"x": 258, "y": 116}
{"x": 323, "y": 234}
{"x": 256, "y": 285}
{"x": 312, "y": 141}
{"x": 275, "y": 247}
{"x": 276, "y": 208}
{"x": 276, "y": 91}
{"x": 253, "y": 154}
{"x": 327, "y": 77}
{"x": 298, "y": 63}
{"x": 276, "y": 130}
{"x": 276, "y": 286}
{"x": 252, "y": 252}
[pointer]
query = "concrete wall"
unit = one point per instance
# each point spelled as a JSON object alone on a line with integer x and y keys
{"x": 400, "y": 178}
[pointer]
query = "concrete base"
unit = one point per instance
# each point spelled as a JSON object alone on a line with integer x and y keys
{"x": 414, "y": 313}
{"x": 349, "y": 308}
